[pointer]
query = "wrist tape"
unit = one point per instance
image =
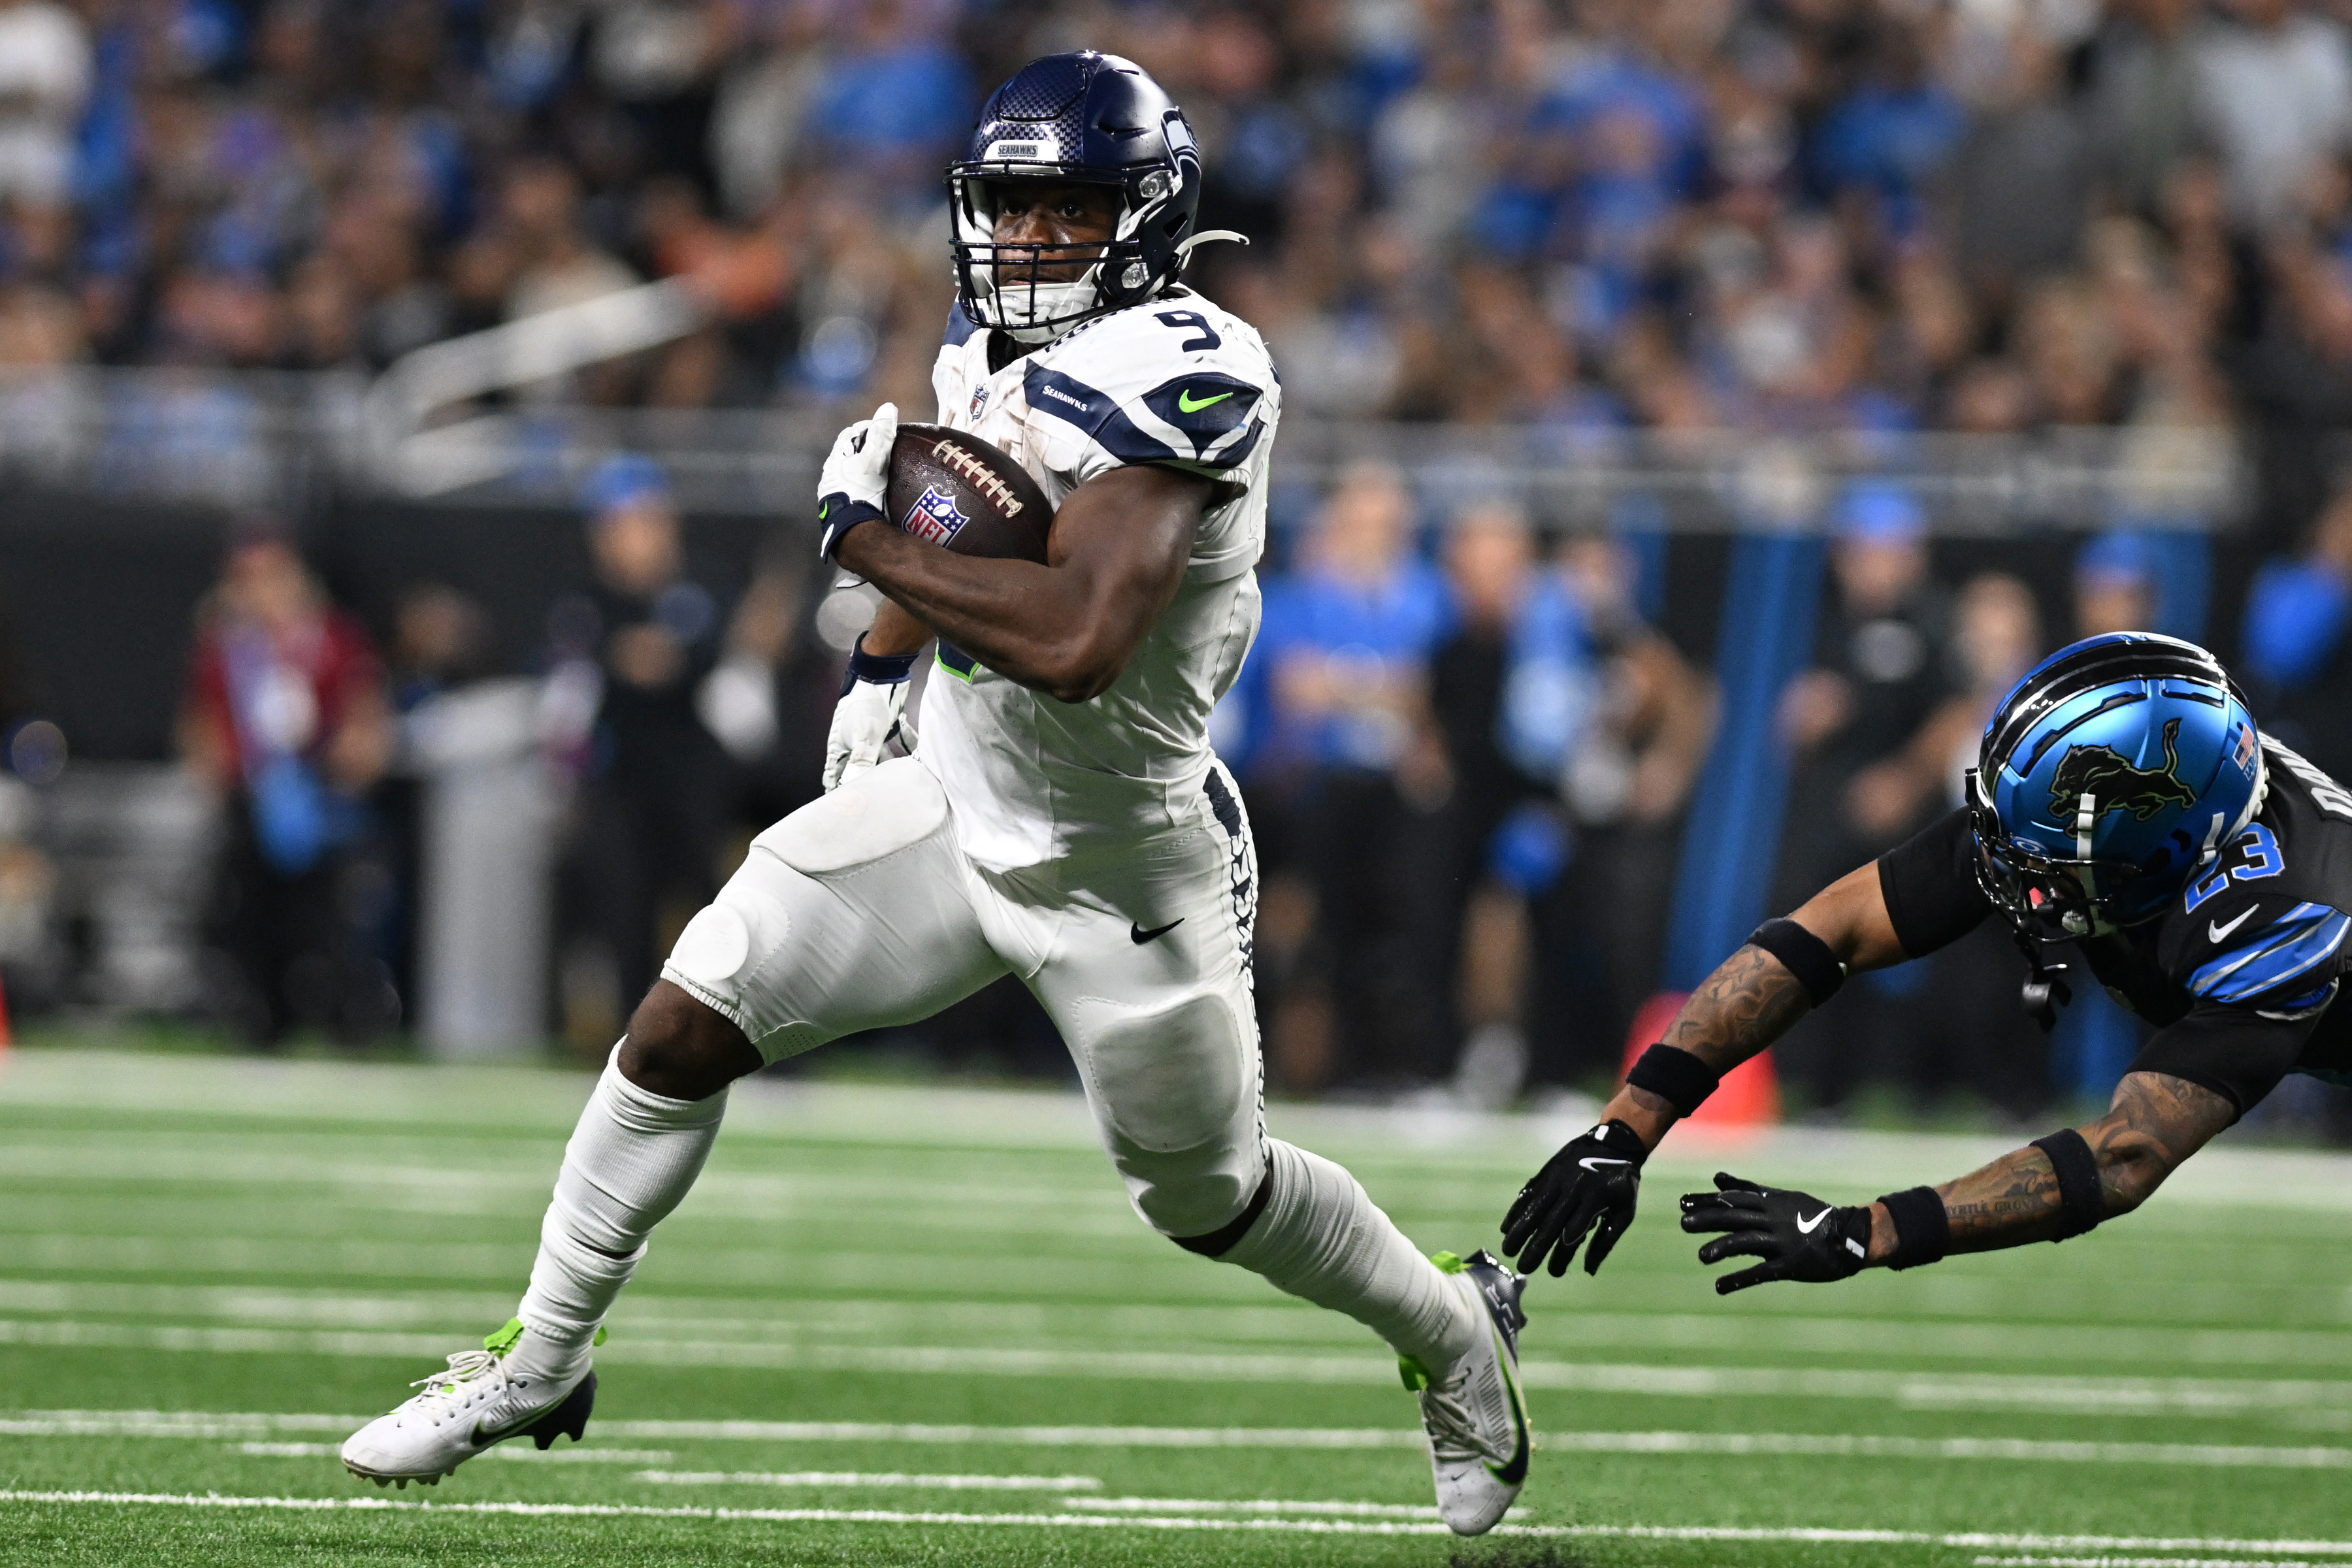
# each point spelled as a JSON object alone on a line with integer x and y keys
{"x": 2078, "y": 1181}
{"x": 1676, "y": 1075}
{"x": 1803, "y": 954}
{"x": 881, "y": 669}
{"x": 1923, "y": 1231}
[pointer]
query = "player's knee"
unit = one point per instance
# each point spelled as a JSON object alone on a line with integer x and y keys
{"x": 681, "y": 1050}
{"x": 1191, "y": 1191}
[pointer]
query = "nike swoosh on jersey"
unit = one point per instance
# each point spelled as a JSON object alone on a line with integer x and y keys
{"x": 1184, "y": 401}
{"x": 1807, "y": 1227}
{"x": 1137, "y": 935}
{"x": 2216, "y": 931}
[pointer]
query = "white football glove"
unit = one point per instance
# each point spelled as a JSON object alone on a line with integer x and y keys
{"x": 857, "y": 471}
{"x": 872, "y": 709}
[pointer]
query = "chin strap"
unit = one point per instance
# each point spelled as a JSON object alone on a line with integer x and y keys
{"x": 1184, "y": 247}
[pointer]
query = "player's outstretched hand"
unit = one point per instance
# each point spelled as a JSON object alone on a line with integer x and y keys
{"x": 1797, "y": 1236}
{"x": 1589, "y": 1186}
{"x": 857, "y": 472}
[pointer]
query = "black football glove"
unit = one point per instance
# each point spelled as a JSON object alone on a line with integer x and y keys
{"x": 1798, "y": 1236}
{"x": 1589, "y": 1186}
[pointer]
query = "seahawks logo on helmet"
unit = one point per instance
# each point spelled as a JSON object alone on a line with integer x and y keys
{"x": 2117, "y": 784}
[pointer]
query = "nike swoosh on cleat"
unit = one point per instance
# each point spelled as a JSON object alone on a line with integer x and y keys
{"x": 1137, "y": 935}
{"x": 2216, "y": 931}
{"x": 1185, "y": 403}
{"x": 1807, "y": 1227}
{"x": 1515, "y": 1472}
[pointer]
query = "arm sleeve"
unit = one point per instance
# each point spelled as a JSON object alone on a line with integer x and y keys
{"x": 1929, "y": 884}
{"x": 2238, "y": 1054}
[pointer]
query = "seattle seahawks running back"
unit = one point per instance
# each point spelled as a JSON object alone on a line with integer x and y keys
{"x": 2125, "y": 817}
{"x": 1062, "y": 817}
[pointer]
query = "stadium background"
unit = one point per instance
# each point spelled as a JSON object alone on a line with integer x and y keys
{"x": 1696, "y": 415}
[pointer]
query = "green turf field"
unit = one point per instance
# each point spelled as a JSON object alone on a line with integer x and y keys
{"x": 895, "y": 1325}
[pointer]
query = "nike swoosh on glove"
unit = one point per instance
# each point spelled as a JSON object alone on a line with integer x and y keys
{"x": 857, "y": 471}
{"x": 1796, "y": 1235}
{"x": 1589, "y": 1185}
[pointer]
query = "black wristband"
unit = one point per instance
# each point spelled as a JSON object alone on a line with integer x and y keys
{"x": 2078, "y": 1180}
{"x": 1803, "y": 954}
{"x": 836, "y": 514}
{"x": 1923, "y": 1231}
{"x": 880, "y": 669}
{"x": 1675, "y": 1074}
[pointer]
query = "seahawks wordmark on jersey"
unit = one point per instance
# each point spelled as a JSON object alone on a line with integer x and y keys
{"x": 1175, "y": 381}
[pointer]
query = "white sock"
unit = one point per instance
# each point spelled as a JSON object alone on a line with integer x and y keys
{"x": 1322, "y": 1237}
{"x": 632, "y": 1159}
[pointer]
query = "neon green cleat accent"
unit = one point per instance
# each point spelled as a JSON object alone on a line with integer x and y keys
{"x": 1415, "y": 1375}
{"x": 1447, "y": 1262}
{"x": 497, "y": 1344}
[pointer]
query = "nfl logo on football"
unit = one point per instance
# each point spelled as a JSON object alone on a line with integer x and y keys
{"x": 934, "y": 517}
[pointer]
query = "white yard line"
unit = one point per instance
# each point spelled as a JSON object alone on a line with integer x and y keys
{"x": 1249, "y": 1505}
{"x": 2139, "y": 1563}
{"x": 1172, "y": 1520}
{"x": 565, "y": 1456}
{"x": 1869, "y": 1445}
{"x": 720, "y": 1316}
{"x": 888, "y": 1478}
{"x": 1946, "y": 1391}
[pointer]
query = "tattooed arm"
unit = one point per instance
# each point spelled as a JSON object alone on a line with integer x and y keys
{"x": 2156, "y": 1122}
{"x": 1751, "y": 999}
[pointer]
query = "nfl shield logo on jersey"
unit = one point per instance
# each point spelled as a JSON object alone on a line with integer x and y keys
{"x": 979, "y": 400}
{"x": 934, "y": 517}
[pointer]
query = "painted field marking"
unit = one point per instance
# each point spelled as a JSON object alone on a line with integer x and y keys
{"x": 568, "y": 1455}
{"x": 2026, "y": 1543}
{"x": 865, "y": 1318}
{"x": 2138, "y": 1562}
{"x": 259, "y": 1427}
{"x": 2097, "y": 1396}
{"x": 891, "y": 1479}
{"x": 1250, "y": 1505}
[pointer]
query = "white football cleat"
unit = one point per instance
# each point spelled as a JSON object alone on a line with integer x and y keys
{"x": 464, "y": 1411}
{"x": 1477, "y": 1418}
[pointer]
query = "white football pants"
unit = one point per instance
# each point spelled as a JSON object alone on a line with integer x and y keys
{"x": 859, "y": 911}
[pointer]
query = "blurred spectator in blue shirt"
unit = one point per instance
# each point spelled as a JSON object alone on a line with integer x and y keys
{"x": 2115, "y": 584}
{"x": 1351, "y": 784}
{"x": 2298, "y": 656}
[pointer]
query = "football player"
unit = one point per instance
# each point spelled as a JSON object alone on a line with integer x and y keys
{"x": 2125, "y": 813}
{"x": 1063, "y": 818}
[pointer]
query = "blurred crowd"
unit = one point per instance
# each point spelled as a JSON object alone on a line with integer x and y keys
{"x": 1789, "y": 215}
{"x": 1470, "y": 740}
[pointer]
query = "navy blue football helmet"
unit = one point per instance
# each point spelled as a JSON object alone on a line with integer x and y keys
{"x": 1078, "y": 118}
{"x": 2113, "y": 770}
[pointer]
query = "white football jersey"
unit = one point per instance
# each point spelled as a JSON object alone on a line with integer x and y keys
{"x": 1174, "y": 380}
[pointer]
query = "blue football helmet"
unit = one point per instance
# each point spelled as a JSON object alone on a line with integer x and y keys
{"x": 2113, "y": 770}
{"x": 1082, "y": 118}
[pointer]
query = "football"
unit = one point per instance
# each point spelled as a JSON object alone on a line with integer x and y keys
{"x": 959, "y": 491}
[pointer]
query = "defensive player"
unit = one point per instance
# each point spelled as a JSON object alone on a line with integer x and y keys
{"x": 2125, "y": 808}
{"x": 1062, "y": 819}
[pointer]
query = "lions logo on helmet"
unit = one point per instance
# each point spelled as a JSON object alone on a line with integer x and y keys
{"x": 2115, "y": 769}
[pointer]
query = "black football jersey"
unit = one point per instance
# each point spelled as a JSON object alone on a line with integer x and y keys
{"x": 2242, "y": 973}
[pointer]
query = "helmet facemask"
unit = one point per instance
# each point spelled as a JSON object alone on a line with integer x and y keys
{"x": 1035, "y": 292}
